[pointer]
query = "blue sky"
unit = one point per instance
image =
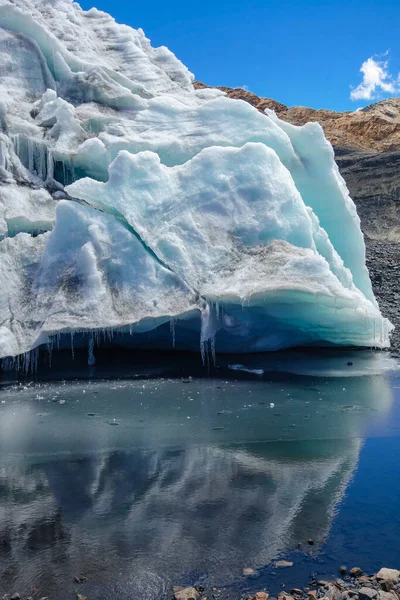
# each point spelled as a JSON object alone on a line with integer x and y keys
{"x": 300, "y": 52}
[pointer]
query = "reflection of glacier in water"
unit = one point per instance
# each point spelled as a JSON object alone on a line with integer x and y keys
{"x": 205, "y": 509}
{"x": 199, "y": 479}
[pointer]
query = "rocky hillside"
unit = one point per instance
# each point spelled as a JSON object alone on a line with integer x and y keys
{"x": 367, "y": 148}
{"x": 375, "y": 128}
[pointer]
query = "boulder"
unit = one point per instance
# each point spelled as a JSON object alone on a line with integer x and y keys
{"x": 387, "y": 595}
{"x": 388, "y": 574}
{"x": 366, "y": 593}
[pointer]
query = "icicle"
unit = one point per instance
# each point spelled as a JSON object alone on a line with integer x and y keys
{"x": 50, "y": 165}
{"x": 91, "y": 357}
{"x": 49, "y": 351}
{"x": 209, "y": 326}
{"x": 2, "y": 155}
{"x": 213, "y": 353}
{"x": 72, "y": 170}
{"x": 172, "y": 329}
{"x": 203, "y": 351}
{"x": 30, "y": 149}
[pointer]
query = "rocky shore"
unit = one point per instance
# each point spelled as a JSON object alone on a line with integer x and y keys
{"x": 351, "y": 585}
{"x": 383, "y": 261}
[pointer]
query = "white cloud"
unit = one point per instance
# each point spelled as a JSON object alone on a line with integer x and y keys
{"x": 376, "y": 80}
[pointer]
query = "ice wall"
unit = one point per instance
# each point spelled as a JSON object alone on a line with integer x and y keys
{"x": 131, "y": 202}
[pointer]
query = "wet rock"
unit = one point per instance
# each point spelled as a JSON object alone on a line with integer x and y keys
{"x": 366, "y": 593}
{"x": 353, "y": 593}
{"x": 296, "y": 592}
{"x": 261, "y": 596}
{"x": 189, "y": 593}
{"x": 312, "y": 594}
{"x": 340, "y": 583}
{"x": 80, "y": 597}
{"x": 356, "y": 572}
{"x": 388, "y": 574}
{"x": 310, "y": 542}
{"x": 15, "y": 596}
{"x": 200, "y": 589}
{"x": 249, "y": 572}
{"x": 364, "y": 579}
{"x": 284, "y": 596}
{"x": 343, "y": 570}
{"x": 281, "y": 564}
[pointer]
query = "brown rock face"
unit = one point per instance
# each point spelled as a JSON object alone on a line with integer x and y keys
{"x": 375, "y": 128}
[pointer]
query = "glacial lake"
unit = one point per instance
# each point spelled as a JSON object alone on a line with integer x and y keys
{"x": 149, "y": 476}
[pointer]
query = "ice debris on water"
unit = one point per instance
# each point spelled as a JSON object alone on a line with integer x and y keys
{"x": 133, "y": 203}
{"x": 245, "y": 369}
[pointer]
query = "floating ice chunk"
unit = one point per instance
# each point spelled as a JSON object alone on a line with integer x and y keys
{"x": 245, "y": 369}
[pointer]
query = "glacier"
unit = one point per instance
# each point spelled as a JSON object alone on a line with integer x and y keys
{"x": 136, "y": 210}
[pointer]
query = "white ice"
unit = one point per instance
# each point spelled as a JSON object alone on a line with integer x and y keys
{"x": 131, "y": 202}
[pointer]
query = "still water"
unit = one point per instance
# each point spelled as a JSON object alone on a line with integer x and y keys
{"x": 145, "y": 482}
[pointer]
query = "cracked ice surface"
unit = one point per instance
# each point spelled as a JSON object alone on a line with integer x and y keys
{"x": 129, "y": 200}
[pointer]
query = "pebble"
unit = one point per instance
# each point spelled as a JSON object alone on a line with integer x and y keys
{"x": 189, "y": 593}
{"x": 343, "y": 570}
{"x": 281, "y": 564}
{"x": 356, "y": 572}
